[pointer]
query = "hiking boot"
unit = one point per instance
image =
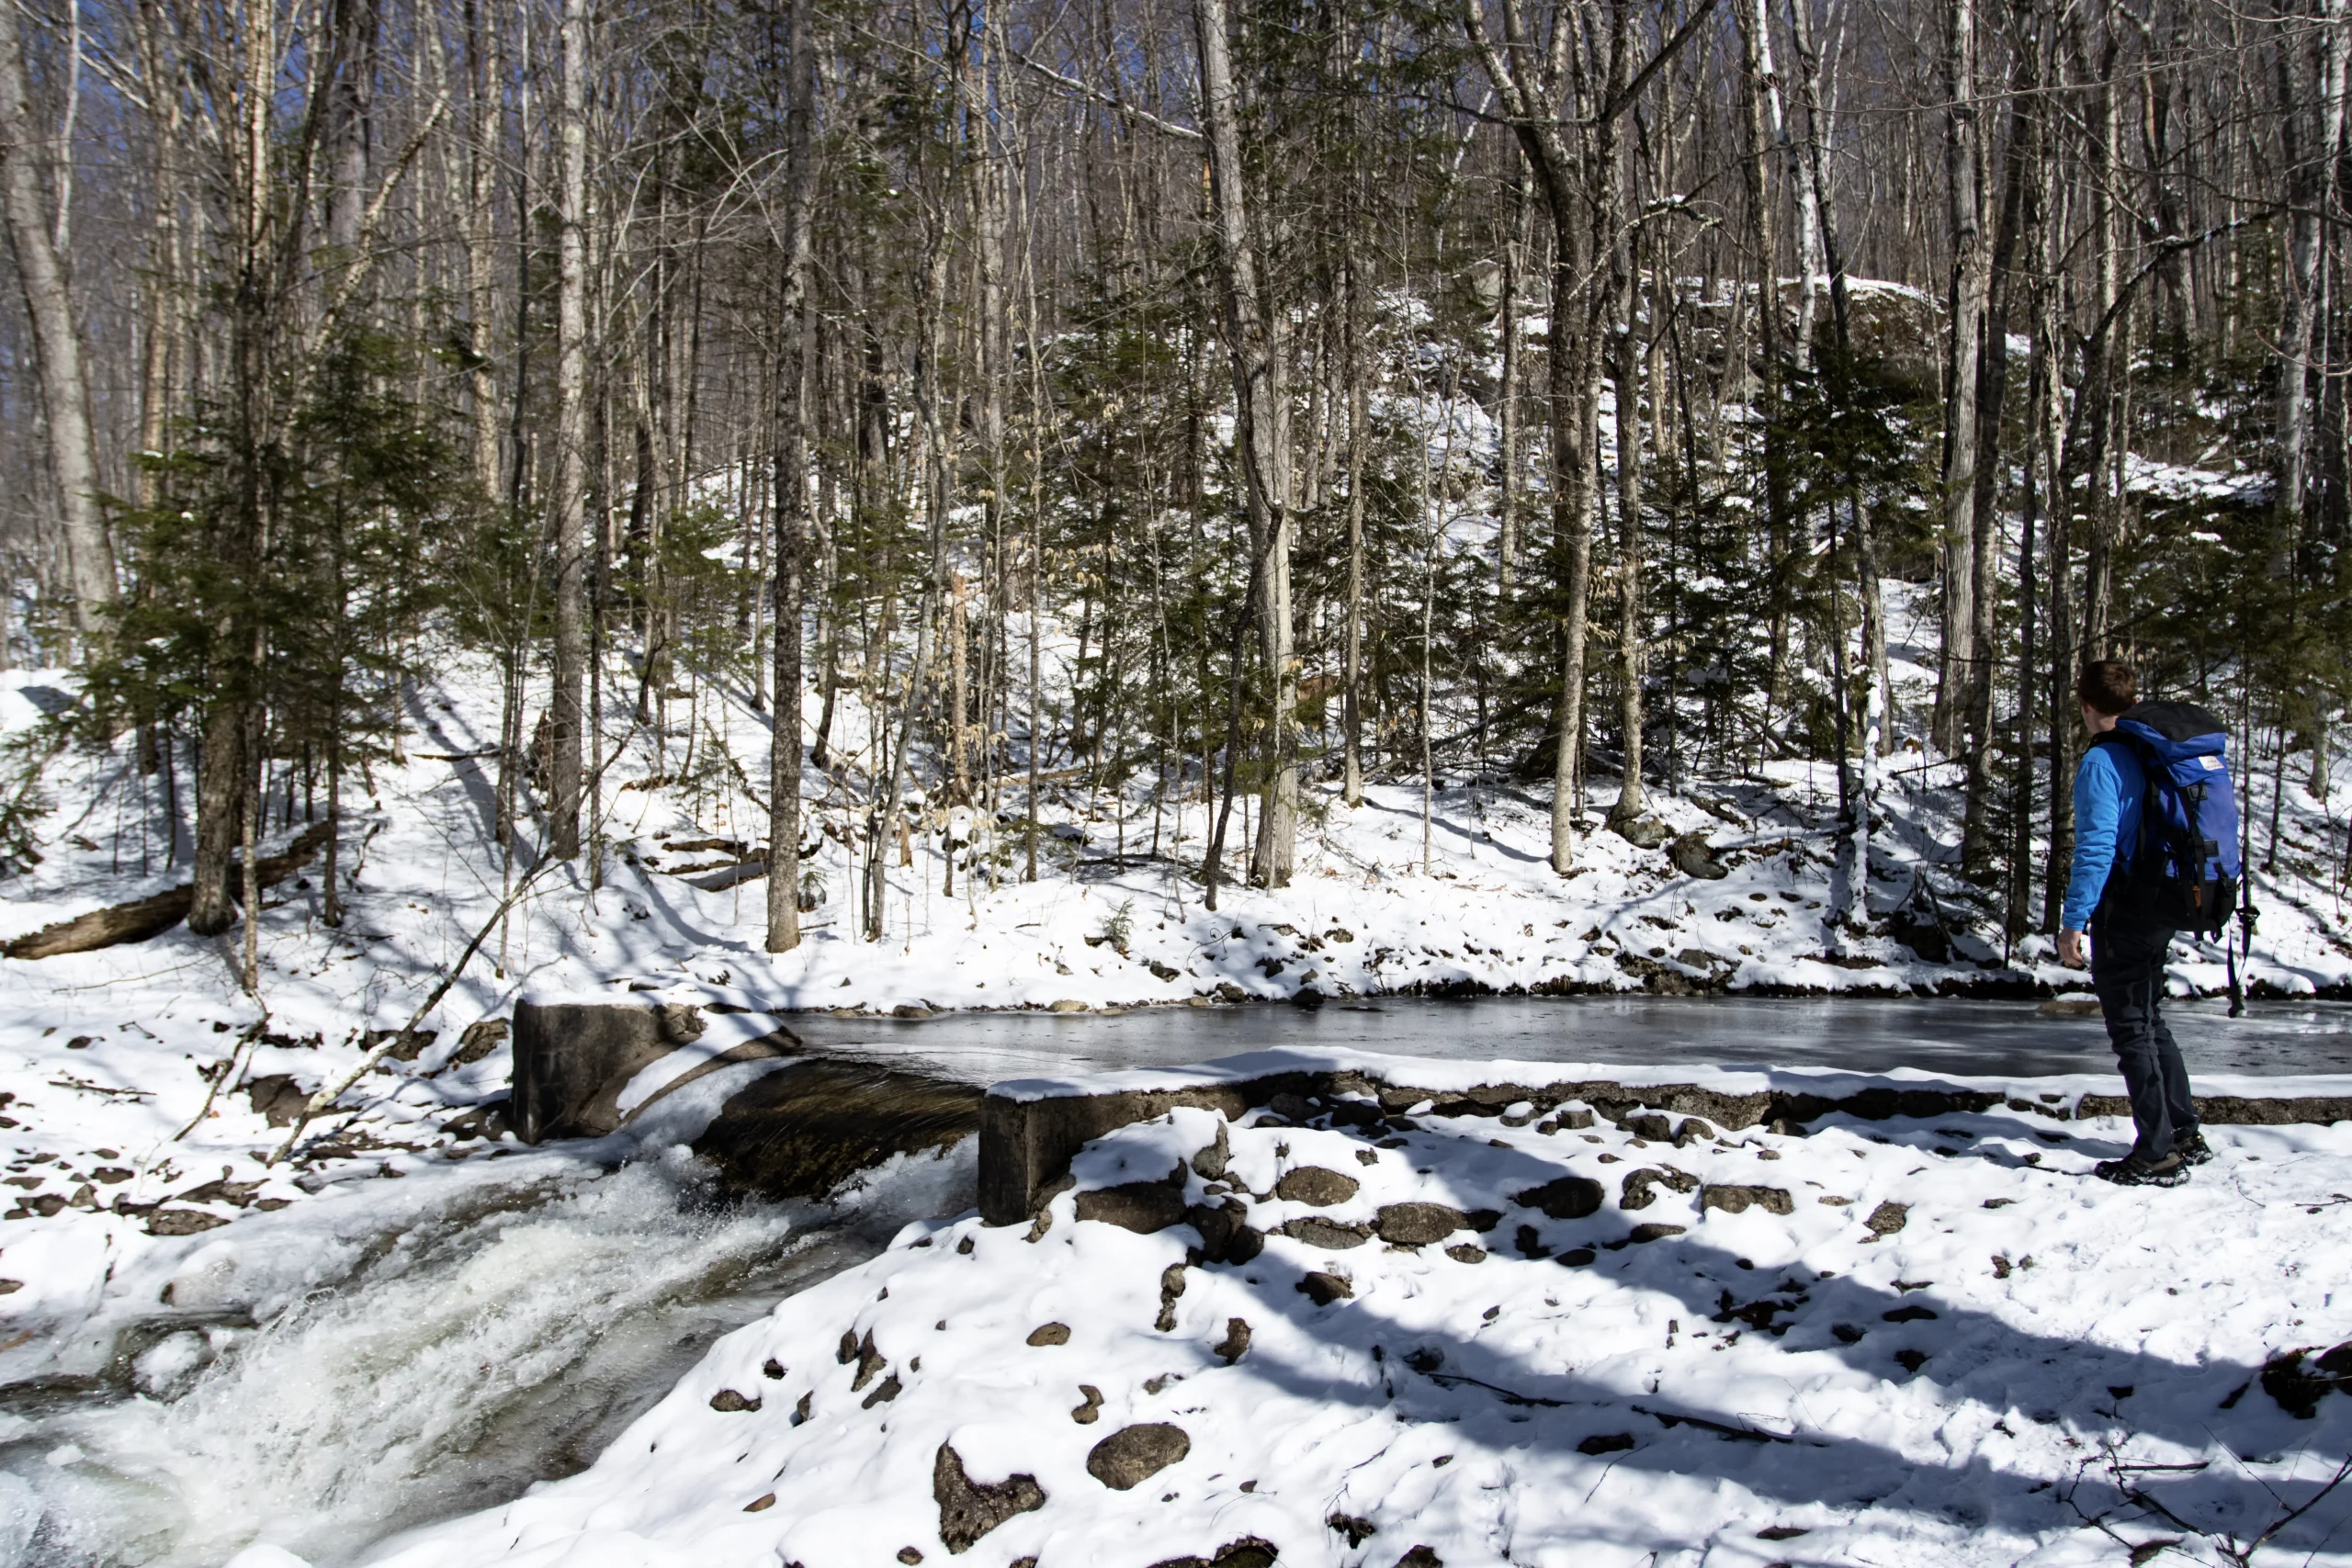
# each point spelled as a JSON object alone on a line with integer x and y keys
{"x": 2194, "y": 1150}
{"x": 2133, "y": 1171}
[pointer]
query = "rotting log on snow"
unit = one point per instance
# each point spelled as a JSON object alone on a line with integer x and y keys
{"x": 151, "y": 917}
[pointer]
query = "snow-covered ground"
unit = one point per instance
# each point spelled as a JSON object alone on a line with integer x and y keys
{"x": 137, "y": 1079}
{"x": 110, "y": 1060}
{"x": 1531, "y": 1337}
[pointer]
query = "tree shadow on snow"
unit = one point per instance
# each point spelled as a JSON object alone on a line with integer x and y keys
{"x": 2102, "y": 1402}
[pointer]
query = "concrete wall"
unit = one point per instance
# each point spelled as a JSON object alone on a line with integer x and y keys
{"x": 574, "y": 1058}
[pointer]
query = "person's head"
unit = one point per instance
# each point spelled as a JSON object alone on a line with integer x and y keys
{"x": 2107, "y": 687}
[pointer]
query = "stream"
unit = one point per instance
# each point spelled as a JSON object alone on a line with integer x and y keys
{"x": 348, "y": 1370}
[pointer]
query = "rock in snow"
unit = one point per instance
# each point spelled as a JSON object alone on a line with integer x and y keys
{"x": 1866, "y": 1353}
{"x": 1132, "y": 1455}
{"x": 968, "y": 1509}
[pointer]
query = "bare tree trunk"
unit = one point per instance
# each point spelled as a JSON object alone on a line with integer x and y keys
{"x": 1756, "y": 78}
{"x": 2310, "y": 141}
{"x": 1512, "y": 389}
{"x": 1625, "y": 380}
{"x": 1976, "y": 841}
{"x": 57, "y": 338}
{"x": 1581, "y": 191}
{"x": 570, "y": 501}
{"x": 482, "y": 263}
{"x": 350, "y": 104}
{"x": 1359, "y": 409}
{"x": 2050, "y": 350}
{"x": 232, "y": 730}
{"x": 1262, "y": 436}
{"x": 1964, "y": 306}
{"x": 797, "y": 337}
{"x": 2095, "y": 400}
{"x": 934, "y": 478}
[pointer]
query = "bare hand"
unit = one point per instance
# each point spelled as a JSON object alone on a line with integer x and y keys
{"x": 2070, "y": 949}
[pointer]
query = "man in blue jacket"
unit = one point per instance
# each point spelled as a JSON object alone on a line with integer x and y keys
{"x": 2128, "y": 946}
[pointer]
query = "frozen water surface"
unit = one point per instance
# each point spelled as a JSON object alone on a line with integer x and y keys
{"x": 1976, "y": 1038}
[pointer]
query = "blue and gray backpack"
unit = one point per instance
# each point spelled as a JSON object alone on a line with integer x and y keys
{"x": 2183, "y": 873}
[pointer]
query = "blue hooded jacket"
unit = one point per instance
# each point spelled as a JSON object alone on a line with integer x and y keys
{"x": 2108, "y": 785}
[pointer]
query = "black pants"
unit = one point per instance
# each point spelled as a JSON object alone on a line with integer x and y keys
{"x": 2128, "y": 972}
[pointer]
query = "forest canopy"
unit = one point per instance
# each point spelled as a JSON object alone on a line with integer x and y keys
{"x": 1562, "y": 394}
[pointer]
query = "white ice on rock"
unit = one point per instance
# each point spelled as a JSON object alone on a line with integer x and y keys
{"x": 1953, "y": 1348}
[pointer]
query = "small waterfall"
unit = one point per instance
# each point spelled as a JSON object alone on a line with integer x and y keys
{"x": 504, "y": 1336}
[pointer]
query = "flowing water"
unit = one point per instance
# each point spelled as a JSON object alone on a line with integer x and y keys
{"x": 342, "y": 1371}
{"x": 504, "y": 1336}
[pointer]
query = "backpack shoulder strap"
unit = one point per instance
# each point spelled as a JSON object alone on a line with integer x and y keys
{"x": 2127, "y": 741}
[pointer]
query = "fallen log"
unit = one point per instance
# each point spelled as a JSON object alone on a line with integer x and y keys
{"x": 152, "y": 916}
{"x": 723, "y": 878}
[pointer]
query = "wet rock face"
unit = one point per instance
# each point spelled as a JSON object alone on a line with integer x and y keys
{"x": 1227, "y": 1235}
{"x": 1325, "y": 1288}
{"x": 1642, "y": 832}
{"x": 572, "y": 1059}
{"x": 1316, "y": 1185}
{"x": 277, "y": 1098}
{"x": 1250, "y": 1551}
{"x": 801, "y": 1131}
{"x": 1330, "y": 1234}
{"x": 480, "y": 1039}
{"x": 1140, "y": 1206}
{"x": 1692, "y": 857}
{"x": 1569, "y": 1197}
{"x": 1739, "y": 1200}
{"x": 968, "y": 1510}
{"x": 1132, "y": 1455}
{"x": 1636, "y": 1192}
{"x": 2297, "y": 1386}
{"x": 1417, "y": 1225}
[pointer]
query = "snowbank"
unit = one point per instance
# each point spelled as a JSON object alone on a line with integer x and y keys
{"x": 1360, "y": 1336}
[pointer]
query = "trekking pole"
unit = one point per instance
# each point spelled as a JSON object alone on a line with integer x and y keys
{"x": 2246, "y": 915}
{"x": 2244, "y": 948}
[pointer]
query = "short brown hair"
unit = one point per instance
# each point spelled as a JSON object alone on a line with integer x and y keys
{"x": 2109, "y": 686}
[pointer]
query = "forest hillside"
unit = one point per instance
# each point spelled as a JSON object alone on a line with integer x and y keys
{"x": 1572, "y": 496}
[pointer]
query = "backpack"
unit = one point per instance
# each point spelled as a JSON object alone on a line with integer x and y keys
{"x": 2183, "y": 871}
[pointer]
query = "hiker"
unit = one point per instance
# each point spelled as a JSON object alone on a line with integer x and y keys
{"x": 2155, "y": 853}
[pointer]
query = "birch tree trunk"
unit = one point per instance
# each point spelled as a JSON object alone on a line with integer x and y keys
{"x": 1625, "y": 380}
{"x": 1757, "y": 79}
{"x": 57, "y": 337}
{"x": 1359, "y": 411}
{"x": 1261, "y": 434}
{"x": 2310, "y": 137}
{"x": 1964, "y": 308}
{"x": 571, "y": 488}
{"x": 796, "y": 339}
